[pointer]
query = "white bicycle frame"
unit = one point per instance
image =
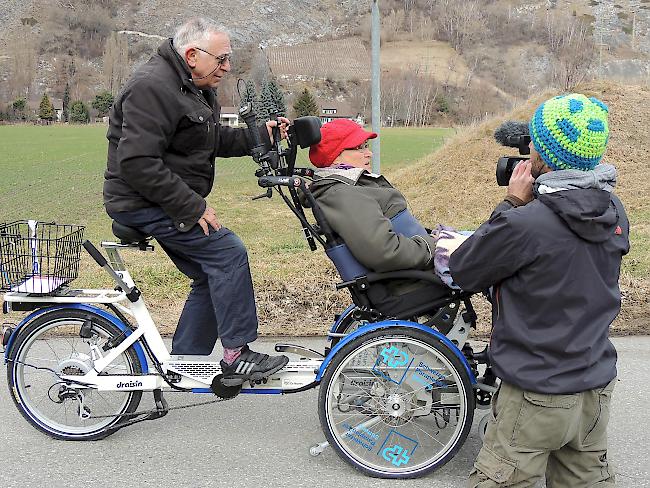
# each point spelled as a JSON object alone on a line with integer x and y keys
{"x": 195, "y": 372}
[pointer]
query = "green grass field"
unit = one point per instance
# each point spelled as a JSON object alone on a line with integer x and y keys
{"x": 55, "y": 173}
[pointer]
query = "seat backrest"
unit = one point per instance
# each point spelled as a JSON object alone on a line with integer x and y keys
{"x": 350, "y": 268}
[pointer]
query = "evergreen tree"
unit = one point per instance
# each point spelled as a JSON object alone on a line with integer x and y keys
{"x": 79, "y": 112}
{"x": 102, "y": 102}
{"x": 19, "y": 106}
{"x": 305, "y": 104}
{"x": 266, "y": 105}
{"x": 280, "y": 106}
{"x": 45, "y": 109}
{"x": 66, "y": 103}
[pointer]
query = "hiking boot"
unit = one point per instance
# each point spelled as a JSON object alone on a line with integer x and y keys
{"x": 251, "y": 366}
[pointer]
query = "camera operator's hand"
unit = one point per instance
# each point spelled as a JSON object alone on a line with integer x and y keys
{"x": 521, "y": 183}
{"x": 209, "y": 217}
{"x": 284, "y": 124}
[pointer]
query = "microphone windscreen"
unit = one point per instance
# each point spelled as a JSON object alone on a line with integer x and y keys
{"x": 509, "y": 129}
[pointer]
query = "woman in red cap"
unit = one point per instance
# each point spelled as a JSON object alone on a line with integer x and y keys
{"x": 359, "y": 205}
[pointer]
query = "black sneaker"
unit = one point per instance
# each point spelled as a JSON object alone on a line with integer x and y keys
{"x": 251, "y": 365}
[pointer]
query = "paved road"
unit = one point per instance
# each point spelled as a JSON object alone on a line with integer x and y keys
{"x": 259, "y": 441}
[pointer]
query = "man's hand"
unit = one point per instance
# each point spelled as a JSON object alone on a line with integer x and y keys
{"x": 521, "y": 182}
{"x": 284, "y": 124}
{"x": 209, "y": 217}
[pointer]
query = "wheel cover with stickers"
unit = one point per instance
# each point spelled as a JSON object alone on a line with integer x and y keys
{"x": 397, "y": 406}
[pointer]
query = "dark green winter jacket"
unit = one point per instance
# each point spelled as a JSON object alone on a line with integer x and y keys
{"x": 358, "y": 206}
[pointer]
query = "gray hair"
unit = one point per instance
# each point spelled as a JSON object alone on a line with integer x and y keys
{"x": 194, "y": 32}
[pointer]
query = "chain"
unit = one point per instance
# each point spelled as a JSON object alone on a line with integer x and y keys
{"x": 123, "y": 415}
{"x": 147, "y": 412}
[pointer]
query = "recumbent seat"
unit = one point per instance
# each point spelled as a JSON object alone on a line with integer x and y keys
{"x": 382, "y": 295}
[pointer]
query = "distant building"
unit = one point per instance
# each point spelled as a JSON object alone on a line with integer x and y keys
{"x": 229, "y": 116}
{"x": 57, "y": 103}
{"x": 339, "y": 110}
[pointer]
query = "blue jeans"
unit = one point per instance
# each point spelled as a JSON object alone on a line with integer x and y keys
{"x": 221, "y": 303}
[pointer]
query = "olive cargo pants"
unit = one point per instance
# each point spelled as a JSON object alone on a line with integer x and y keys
{"x": 530, "y": 435}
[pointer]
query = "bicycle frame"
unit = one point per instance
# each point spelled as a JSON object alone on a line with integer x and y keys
{"x": 296, "y": 376}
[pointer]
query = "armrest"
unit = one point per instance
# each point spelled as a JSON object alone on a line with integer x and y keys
{"x": 406, "y": 274}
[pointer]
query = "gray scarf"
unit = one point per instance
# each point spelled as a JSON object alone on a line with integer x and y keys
{"x": 602, "y": 177}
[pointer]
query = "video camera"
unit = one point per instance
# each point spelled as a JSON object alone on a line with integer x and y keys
{"x": 511, "y": 134}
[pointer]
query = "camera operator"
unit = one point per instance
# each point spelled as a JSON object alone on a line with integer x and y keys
{"x": 551, "y": 251}
{"x": 164, "y": 135}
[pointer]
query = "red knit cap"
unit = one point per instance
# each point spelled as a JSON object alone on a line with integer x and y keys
{"x": 335, "y": 137}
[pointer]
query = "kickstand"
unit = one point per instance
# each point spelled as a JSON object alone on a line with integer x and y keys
{"x": 317, "y": 449}
{"x": 161, "y": 404}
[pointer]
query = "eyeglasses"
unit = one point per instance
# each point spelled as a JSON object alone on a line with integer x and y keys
{"x": 223, "y": 59}
{"x": 362, "y": 147}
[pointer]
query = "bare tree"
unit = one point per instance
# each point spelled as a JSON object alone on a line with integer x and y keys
{"x": 116, "y": 62}
{"x": 460, "y": 22}
{"x": 572, "y": 48}
{"x": 409, "y": 98}
{"x": 23, "y": 63}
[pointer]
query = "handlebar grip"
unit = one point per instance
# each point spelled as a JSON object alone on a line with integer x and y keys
{"x": 250, "y": 119}
{"x": 95, "y": 254}
{"x": 269, "y": 181}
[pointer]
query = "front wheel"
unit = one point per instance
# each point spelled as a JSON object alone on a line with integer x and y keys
{"x": 396, "y": 403}
{"x": 54, "y": 344}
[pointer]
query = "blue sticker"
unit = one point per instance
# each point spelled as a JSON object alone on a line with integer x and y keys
{"x": 362, "y": 436}
{"x": 396, "y": 455}
{"x": 392, "y": 357}
{"x": 397, "y": 449}
{"x": 429, "y": 376}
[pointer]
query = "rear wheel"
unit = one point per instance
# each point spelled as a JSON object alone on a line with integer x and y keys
{"x": 52, "y": 345}
{"x": 396, "y": 403}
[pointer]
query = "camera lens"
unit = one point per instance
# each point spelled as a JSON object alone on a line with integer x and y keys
{"x": 505, "y": 167}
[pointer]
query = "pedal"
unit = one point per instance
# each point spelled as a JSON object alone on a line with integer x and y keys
{"x": 301, "y": 351}
{"x": 223, "y": 391}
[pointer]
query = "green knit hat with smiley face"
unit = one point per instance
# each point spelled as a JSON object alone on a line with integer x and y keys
{"x": 570, "y": 131}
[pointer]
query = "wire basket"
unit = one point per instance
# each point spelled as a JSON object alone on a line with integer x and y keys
{"x": 38, "y": 257}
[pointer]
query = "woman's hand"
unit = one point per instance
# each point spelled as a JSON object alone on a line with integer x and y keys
{"x": 284, "y": 124}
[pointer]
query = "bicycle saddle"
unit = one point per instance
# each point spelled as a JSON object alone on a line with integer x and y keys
{"x": 128, "y": 235}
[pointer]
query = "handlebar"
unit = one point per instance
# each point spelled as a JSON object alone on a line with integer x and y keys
{"x": 270, "y": 181}
{"x": 132, "y": 293}
{"x": 95, "y": 254}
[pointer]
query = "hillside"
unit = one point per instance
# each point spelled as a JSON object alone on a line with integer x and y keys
{"x": 288, "y": 22}
{"x": 444, "y": 61}
{"x": 456, "y": 185}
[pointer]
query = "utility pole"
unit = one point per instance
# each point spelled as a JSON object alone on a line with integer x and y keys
{"x": 376, "y": 75}
{"x": 633, "y": 29}
{"x": 600, "y": 55}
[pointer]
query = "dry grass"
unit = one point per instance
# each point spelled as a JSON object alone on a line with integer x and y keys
{"x": 456, "y": 184}
{"x": 436, "y": 59}
{"x": 321, "y": 59}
